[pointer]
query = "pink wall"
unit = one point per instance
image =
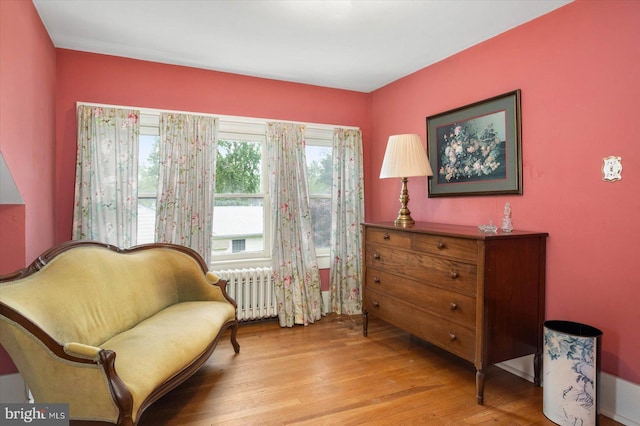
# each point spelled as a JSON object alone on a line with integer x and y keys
{"x": 12, "y": 243}
{"x": 27, "y": 101}
{"x": 578, "y": 69}
{"x": 27, "y": 79}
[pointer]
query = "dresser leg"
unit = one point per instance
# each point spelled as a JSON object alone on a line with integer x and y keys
{"x": 480, "y": 386}
{"x": 365, "y": 322}
{"x": 537, "y": 369}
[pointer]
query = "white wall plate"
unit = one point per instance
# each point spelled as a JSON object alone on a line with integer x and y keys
{"x": 612, "y": 168}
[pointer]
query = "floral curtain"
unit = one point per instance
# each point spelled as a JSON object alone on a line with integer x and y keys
{"x": 347, "y": 207}
{"x": 186, "y": 181}
{"x": 295, "y": 269}
{"x": 105, "y": 206}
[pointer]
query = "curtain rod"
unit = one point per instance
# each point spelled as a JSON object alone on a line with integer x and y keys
{"x": 222, "y": 117}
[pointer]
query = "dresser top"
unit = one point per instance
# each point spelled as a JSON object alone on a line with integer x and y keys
{"x": 456, "y": 230}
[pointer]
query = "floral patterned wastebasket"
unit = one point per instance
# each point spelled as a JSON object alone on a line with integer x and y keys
{"x": 571, "y": 373}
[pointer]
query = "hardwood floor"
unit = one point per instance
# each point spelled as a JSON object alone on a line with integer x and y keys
{"x": 329, "y": 374}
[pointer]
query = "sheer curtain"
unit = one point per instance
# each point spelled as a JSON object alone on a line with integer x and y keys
{"x": 295, "y": 269}
{"x": 186, "y": 181}
{"x": 106, "y": 191}
{"x": 347, "y": 207}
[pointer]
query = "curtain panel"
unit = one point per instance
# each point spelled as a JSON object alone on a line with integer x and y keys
{"x": 295, "y": 269}
{"x": 186, "y": 181}
{"x": 347, "y": 207}
{"x": 106, "y": 191}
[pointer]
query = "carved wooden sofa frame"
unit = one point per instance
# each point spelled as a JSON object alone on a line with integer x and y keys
{"x": 20, "y": 335}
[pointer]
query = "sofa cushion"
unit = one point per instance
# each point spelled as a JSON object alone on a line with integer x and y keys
{"x": 162, "y": 345}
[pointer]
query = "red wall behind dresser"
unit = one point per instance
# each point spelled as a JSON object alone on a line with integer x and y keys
{"x": 579, "y": 71}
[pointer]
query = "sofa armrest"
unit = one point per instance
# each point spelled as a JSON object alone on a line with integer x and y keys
{"x": 54, "y": 372}
{"x": 212, "y": 277}
{"x": 81, "y": 350}
{"x": 222, "y": 284}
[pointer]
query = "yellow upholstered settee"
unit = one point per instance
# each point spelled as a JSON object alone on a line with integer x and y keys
{"x": 108, "y": 330}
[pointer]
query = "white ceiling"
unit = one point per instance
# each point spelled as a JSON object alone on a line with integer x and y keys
{"x": 357, "y": 45}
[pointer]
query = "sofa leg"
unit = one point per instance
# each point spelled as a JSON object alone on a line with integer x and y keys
{"x": 234, "y": 341}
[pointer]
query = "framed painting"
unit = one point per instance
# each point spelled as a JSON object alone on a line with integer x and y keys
{"x": 476, "y": 149}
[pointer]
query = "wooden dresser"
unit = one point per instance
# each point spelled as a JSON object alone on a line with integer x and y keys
{"x": 477, "y": 295}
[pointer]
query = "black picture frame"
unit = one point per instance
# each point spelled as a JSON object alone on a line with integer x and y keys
{"x": 476, "y": 149}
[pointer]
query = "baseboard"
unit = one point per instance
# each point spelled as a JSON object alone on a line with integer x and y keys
{"x": 618, "y": 398}
{"x": 12, "y": 389}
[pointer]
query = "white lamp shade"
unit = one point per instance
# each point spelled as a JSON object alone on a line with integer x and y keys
{"x": 405, "y": 156}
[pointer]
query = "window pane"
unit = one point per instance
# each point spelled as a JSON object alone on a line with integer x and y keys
{"x": 238, "y": 218}
{"x": 238, "y": 167}
{"x": 319, "y": 169}
{"x": 238, "y": 246}
{"x": 321, "y": 219}
{"x": 148, "y": 165}
{"x": 147, "y": 187}
{"x": 146, "y": 220}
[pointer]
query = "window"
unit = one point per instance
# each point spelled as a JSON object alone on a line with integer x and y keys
{"x": 239, "y": 218}
{"x": 319, "y": 170}
{"x": 147, "y": 177}
{"x": 239, "y": 213}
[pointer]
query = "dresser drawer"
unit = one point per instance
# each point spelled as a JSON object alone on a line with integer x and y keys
{"x": 438, "y": 271}
{"x": 450, "y": 305}
{"x": 389, "y": 237}
{"x": 448, "y": 335}
{"x": 458, "y": 248}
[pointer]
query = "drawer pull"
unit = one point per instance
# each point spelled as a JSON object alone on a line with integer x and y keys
{"x": 376, "y": 280}
{"x": 454, "y": 274}
{"x": 376, "y": 256}
{"x": 452, "y": 337}
{"x": 441, "y": 245}
{"x": 376, "y": 304}
{"x": 453, "y": 306}
{"x": 386, "y": 236}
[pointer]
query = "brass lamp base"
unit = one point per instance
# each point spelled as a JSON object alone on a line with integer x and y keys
{"x": 404, "y": 221}
{"x": 404, "y": 215}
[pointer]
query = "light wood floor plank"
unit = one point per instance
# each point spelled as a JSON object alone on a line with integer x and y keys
{"x": 329, "y": 374}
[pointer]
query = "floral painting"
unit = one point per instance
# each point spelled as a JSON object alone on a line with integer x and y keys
{"x": 476, "y": 150}
{"x": 473, "y": 149}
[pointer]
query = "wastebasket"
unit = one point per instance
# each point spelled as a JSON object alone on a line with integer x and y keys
{"x": 571, "y": 366}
